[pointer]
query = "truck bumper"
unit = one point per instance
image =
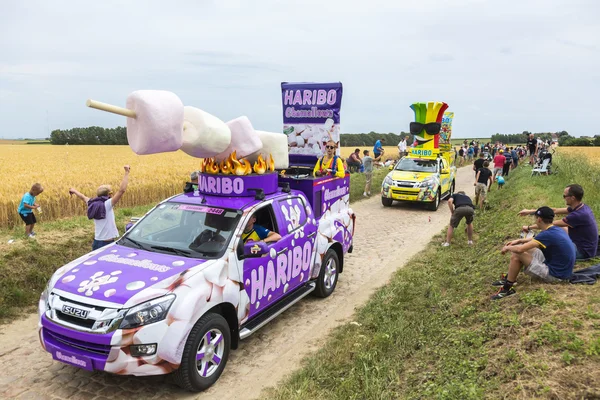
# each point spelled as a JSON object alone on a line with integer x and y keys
{"x": 425, "y": 195}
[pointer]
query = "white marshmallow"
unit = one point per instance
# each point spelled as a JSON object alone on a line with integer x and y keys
{"x": 158, "y": 126}
{"x": 243, "y": 139}
{"x": 204, "y": 135}
{"x": 274, "y": 144}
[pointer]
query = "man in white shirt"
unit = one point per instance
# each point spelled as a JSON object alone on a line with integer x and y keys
{"x": 101, "y": 210}
{"x": 402, "y": 147}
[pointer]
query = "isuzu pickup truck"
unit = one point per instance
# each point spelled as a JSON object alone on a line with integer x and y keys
{"x": 181, "y": 288}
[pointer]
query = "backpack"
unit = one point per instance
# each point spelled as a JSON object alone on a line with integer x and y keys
{"x": 333, "y": 165}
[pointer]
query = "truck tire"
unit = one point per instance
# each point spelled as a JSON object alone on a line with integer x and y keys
{"x": 209, "y": 339}
{"x": 433, "y": 206}
{"x": 386, "y": 202}
{"x": 328, "y": 277}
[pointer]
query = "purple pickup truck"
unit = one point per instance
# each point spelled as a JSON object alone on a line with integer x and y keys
{"x": 181, "y": 288}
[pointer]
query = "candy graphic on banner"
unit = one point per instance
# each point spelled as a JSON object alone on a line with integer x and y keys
{"x": 446, "y": 131}
{"x": 311, "y": 116}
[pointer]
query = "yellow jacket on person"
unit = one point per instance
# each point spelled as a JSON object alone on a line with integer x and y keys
{"x": 324, "y": 166}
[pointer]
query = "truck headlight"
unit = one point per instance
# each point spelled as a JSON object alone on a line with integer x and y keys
{"x": 427, "y": 183}
{"x": 387, "y": 182}
{"x": 44, "y": 297}
{"x": 147, "y": 313}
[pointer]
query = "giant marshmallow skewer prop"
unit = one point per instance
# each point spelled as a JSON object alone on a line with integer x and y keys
{"x": 154, "y": 120}
{"x": 204, "y": 135}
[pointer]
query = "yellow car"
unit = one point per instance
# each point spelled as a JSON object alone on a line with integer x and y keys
{"x": 420, "y": 179}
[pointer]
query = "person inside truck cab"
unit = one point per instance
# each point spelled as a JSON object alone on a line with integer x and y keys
{"x": 330, "y": 163}
{"x": 256, "y": 233}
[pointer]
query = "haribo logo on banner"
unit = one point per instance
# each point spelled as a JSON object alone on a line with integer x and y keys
{"x": 311, "y": 116}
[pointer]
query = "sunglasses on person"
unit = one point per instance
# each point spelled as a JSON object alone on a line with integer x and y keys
{"x": 330, "y": 147}
{"x": 432, "y": 128}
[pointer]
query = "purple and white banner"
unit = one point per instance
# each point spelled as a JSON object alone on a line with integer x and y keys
{"x": 311, "y": 116}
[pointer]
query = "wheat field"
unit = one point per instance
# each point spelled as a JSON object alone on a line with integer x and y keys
{"x": 57, "y": 168}
{"x": 592, "y": 153}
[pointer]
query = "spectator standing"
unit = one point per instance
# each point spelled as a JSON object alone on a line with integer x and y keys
{"x": 26, "y": 207}
{"x": 507, "y": 163}
{"x": 402, "y": 147}
{"x": 532, "y": 146}
{"x": 368, "y": 166}
{"x": 378, "y": 148}
{"x": 499, "y": 160}
{"x": 461, "y": 156}
{"x": 478, "y": 163}
{"x": 483, "y": 183}
{"x": 101, "y": 210}
{"x": 515, "y": 157}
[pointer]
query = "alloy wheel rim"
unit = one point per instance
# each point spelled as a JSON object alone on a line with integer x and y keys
{"x": 210, "y": 353}
{"x": 330, "y": 274}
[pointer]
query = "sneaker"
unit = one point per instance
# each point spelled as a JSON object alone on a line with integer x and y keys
{"x": 502, "y": 281}
{"x": 368, "y": 193}
{"x": 32, "y": 234}
{"x": 470, "y": 242}
{"x": 445, "y": 244}
{"x": 365, "y": 194}
{"x": 503, "y": 293}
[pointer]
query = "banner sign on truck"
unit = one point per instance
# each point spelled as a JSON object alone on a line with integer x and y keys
{"x": 311, "y": 116}
{"x": 446, "y": 131}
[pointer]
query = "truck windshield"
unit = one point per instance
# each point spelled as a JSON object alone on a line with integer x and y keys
{"x": 416, "y": 165}
{"x": 186, "y": 230}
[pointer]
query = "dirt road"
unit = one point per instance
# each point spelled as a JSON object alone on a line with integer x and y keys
{"x": 385, "y": 239}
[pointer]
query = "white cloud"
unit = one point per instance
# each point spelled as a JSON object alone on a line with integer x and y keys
{"x": 501, "y": 66}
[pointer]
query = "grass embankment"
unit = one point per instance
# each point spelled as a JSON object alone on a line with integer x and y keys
{"x": 26, "y": 265}
{"x": 433, "y": 332}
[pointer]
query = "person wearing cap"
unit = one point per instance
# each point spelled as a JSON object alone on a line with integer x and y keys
{"x": 579, "y": 221}
{"x": 499, "y": 161}
{"x": 549, "y": 256}
{"x": 101, "y": 210}
{"x": 194, "y": 177}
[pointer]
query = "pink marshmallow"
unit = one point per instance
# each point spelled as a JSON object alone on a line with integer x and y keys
{"x": 244, "y": 139}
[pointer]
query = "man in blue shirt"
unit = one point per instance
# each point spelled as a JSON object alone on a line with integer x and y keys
{"x": 580, "y": 222}
{"x": 378, "y": 148}
{"x": 550, "y": 256}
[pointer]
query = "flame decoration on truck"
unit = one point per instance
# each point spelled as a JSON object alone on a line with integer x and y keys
{"x": 232, "y": 166}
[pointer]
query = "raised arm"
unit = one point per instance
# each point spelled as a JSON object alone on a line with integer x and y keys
{"x": 79, "y": 195}
{"x": 122, "y": 188}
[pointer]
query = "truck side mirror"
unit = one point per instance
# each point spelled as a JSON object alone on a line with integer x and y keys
{"x": 445, "y": 171}
{"x": 392, "y": 167}
{"x": 255, "y": 249}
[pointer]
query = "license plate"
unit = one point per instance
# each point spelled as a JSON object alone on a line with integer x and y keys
{"x": 75, "y": 312}
{"x": 404, "y": 197}
{"x": 75, "y": 360}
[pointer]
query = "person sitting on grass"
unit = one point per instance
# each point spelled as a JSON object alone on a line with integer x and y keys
{"x": 483, "y": 183}
{"x": 461, "y": 207}
{"x": 550, "y": 256}
{"x": 27, "y": 206}
{"x": 354, "y": 162}
{"x": 580, "y": 222}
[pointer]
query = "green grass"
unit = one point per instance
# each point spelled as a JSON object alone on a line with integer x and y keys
{"x": 26, "y": 265}
{"x": 433, "y": 332}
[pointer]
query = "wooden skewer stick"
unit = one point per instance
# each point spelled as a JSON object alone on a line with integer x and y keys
{"x": 110, "y": 108}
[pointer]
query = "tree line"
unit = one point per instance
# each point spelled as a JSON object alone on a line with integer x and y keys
{"x": 95, "y": 135}
{"x": 91, "y": 135}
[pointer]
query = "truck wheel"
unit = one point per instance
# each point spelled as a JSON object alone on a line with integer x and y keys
{"x": 433, "y": 206}
{"x": 205, "y": 353}
{"x": 452, "y": 188}
{"x": 386, "y": 202}
{"x": 328, "y": 276}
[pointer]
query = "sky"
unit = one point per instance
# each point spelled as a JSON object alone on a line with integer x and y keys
{"x": 502, "y": 66}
